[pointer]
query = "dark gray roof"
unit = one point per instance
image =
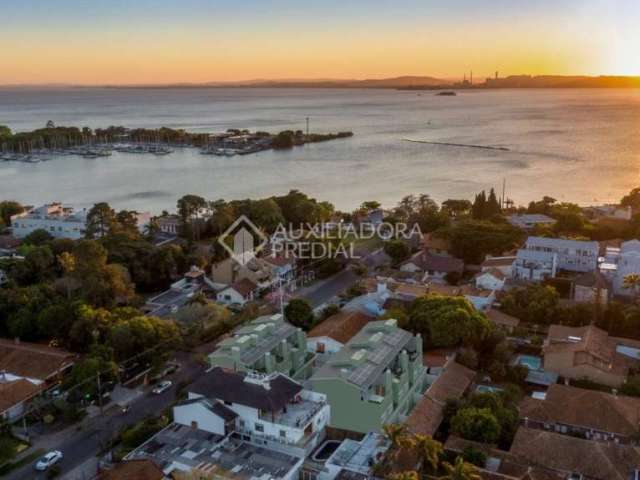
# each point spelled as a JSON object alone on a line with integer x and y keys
{"x": 216, "y": 407}
{"x": 437, "y": 263}
{"x": 227, "y": 386}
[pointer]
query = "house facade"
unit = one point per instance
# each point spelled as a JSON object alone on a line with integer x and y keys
{"x": 534, "y": 266}
{"x": 262, "y": 409}
{"x": 238, "y": 293}
{"x": 375, "y": 379}
{"x": 572, "y": 255}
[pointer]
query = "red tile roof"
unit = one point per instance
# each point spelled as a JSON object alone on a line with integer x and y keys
{"x": 341, "y": 327}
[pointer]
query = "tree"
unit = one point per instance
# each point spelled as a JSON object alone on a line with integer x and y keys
{"x": 37, "y": 237}
{"x": 429, "y": 450}
{"x": 533, "y": 303}
{"x": 397, "y": 250}
{"x": 299, "y": 313}
{"x": 189, "y": 208}
{"x": 370, "y": 205}
{"x": 460, "y": 470}
{"x": 472, "y": 240}
{"x": 476, "y": 424}
{"x": 8, "y": 208}
{"x": 457, "y": 207}
{"x": 409, "y": 475}
{"x": 447, "y": 321}
{"x": 632, "y": 199}
{"x": 101, "y": 220}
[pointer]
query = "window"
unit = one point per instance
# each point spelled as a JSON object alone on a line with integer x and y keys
{"x": 259, "y": 427}
{"x": 283, "y": 434}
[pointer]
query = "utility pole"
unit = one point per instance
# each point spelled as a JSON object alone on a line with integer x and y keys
{"x": 307, "y": 126}
{"x": 99, "y": 393}
{"x": 504, "y": 184}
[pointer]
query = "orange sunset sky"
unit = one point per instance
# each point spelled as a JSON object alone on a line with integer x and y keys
{"x": 116, "y": 42}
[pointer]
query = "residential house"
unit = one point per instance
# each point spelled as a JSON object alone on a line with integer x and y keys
{"x": 238, "y": 293}
{"x": 589, "y": 352}
{"x": 535, "y": 266}
{"x": 502, "y": 320}
{"x": 590, "y": 287}
{"x": 186, "y": 451}
{"x": 451, "y": 383}
{"x": 433, "y": 267}
{"x": 265, "y": 272}
{"x": 491, "y": 279}
{"x": 353, "y": 459}
{"x": 435, "y": 245}
{"x": 590, "y": 414}
{"x": 60, "y": 221}
{"x": 169, "y": 224}
{"x": 575, "y": 458}
{"x": 180, "y": 293}
{"x": 503, "y": 264}
{"x": 263, "y": 409}
{"x": 480, "y": 299}
{"x": 617, "y": 212}
{"x": 623, "y": 261}
{"x": 266, "y": 344}
{"x": 333, "y": 333}
{"x": 528, "y": 221}
{"x": 572, "y": 255}
{"x": 27, "y": 369}
{"x": 374, "y": 379}
{"x": 500, "y": 464}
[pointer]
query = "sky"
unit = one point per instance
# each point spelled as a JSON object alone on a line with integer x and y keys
{"x": 162, "y": 41}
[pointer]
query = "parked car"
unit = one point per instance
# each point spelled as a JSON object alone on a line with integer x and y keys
{"x": 163, "y": 386}
{"x": 49, "y": 459}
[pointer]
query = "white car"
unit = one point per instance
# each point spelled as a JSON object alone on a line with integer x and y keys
{"x": 162, "y": 387}
{"x": 49, "y": 459}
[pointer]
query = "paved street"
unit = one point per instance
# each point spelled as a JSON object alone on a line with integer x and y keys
{"x": 322, "y": 291}
{"x": 80, "y": 446}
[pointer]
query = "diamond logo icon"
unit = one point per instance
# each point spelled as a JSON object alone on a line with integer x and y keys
{"x": 248, "y": 240}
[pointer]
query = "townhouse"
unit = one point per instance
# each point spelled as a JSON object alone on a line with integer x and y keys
{"x": 375, "y": 379}
{"x": 266, "y": 344}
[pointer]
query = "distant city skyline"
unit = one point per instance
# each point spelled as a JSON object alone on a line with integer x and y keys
{"x": 162, "y": 41}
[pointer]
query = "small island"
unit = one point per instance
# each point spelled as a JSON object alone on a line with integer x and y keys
{"x": 41, "y": 144}
{"x": 447, "y": 93}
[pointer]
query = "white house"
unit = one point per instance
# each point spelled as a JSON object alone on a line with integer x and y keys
{"x": 60, "y": 221}
{"x": 492, "y": 279}
{"x": 534, "y": 265}
{"x": 433, "y": 267}
{"x": 481, "y": 299}
{"x": 624, "y": 261}
{"x": 572, "y": 255}
{"x": 238, "y": 293}
{"x": 270, "y": 410}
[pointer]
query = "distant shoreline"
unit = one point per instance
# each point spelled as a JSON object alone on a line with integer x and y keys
{"x": 395, "y": 83}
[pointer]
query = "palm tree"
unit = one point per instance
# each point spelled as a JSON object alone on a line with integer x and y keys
{"x": 410, "y": 475}
{"x": 399, "y": 437}
{"x": 461, "y": 470}
{"x": 429, "y": 451}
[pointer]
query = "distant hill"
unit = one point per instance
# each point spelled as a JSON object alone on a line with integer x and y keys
{"x": 561, "y": 81}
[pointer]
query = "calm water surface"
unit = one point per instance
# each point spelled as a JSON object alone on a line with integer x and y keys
{"x": 575, "y": 145}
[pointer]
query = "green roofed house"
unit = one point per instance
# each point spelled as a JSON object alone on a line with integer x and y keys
{"x": 266, "y": 344}
{"x": 374, "y": 379}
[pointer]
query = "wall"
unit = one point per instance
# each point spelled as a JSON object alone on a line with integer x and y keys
{"x": 206, "y": 420}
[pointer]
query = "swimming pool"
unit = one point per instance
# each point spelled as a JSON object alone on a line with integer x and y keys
{"x": 529, "y": 361}
{"x": 488, "y": 389}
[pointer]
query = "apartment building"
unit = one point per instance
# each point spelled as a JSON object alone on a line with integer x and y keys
{"x": 267, "y": 344}
{"x": 375, "y": 379}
